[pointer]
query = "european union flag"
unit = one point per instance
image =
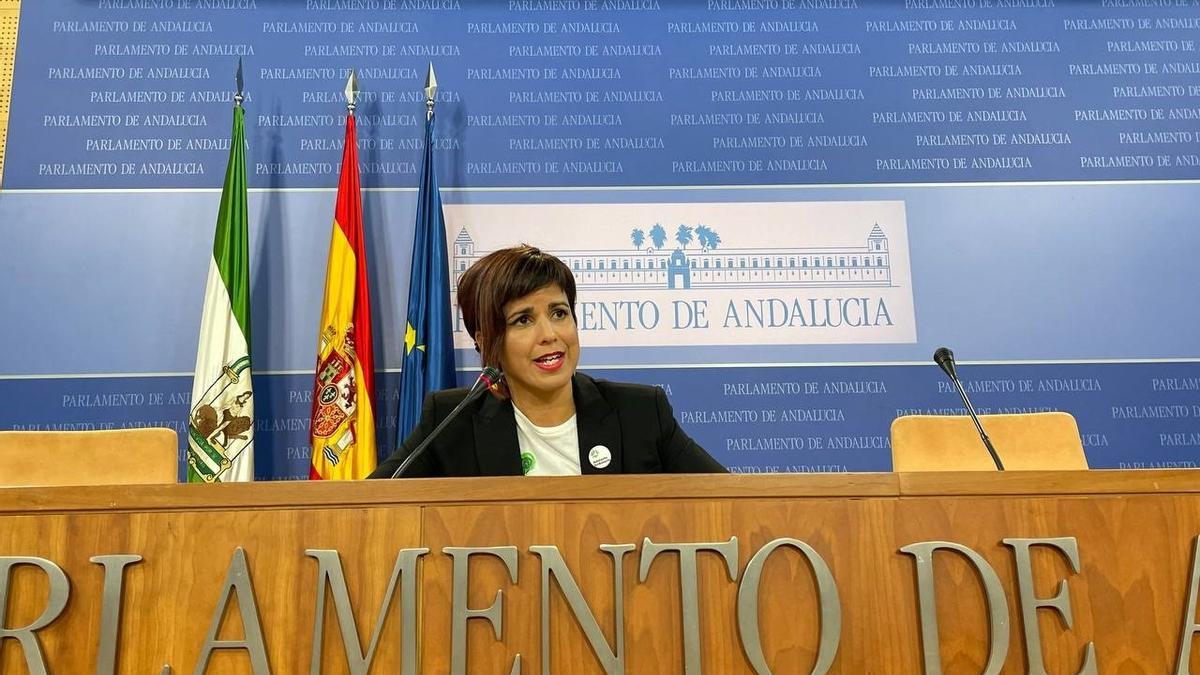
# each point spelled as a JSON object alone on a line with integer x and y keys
{"x": 428, "y": 344}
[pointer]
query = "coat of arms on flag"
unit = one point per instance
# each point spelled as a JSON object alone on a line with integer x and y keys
{"x": 221, "y": 423}
{"x": 336, "y": 394}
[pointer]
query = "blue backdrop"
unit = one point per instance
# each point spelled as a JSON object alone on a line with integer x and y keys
{"x": 1046, "y": 153}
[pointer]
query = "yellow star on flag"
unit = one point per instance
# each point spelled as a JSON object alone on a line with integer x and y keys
{"x": 410, "y": 340}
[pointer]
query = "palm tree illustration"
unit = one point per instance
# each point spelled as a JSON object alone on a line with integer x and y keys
{"x": 637, "y": 237}
{"x": 658, "y": 235}
{"x": 683, "y": 235}
{"x": 714, "y": 239}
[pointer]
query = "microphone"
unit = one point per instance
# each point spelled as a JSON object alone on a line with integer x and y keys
{"x": 944, "y": 358}
{"x": 487, "y": 379}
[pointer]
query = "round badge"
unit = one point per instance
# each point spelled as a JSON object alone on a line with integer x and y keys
{"x": 600, "y": 456}
{"x": 528, "y": 461}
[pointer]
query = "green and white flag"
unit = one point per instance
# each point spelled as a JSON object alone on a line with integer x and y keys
{"x": 221, "y": 422}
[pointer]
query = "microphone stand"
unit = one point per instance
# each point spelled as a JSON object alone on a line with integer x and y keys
{"x": 489, "y": 378}
{"x": 944, "y": 358}
{"x": 987, "y": 442}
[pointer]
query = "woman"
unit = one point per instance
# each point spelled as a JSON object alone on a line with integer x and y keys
{"x": 518, "y": 304}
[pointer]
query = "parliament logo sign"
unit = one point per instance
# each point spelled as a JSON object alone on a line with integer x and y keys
{"x": 723, "y": 273}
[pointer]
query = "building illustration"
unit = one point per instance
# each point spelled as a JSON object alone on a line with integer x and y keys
{"x": 651, "y": 264}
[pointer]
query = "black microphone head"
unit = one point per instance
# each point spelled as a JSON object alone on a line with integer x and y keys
{"x": 945, "y": 360}
{"x": 491, "y": 376}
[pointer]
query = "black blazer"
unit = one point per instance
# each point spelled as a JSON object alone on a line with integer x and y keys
{"x": 633, "y": 421}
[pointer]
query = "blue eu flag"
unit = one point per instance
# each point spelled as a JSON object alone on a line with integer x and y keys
{"x": 428, "y": 344}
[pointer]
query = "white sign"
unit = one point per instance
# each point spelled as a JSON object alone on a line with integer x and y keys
{"x": 715, "y": 273}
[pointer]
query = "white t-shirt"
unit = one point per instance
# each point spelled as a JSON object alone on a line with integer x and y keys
{"x": 548, "y": 451}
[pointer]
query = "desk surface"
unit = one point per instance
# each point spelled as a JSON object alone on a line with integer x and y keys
{"x": 592, "y": 488}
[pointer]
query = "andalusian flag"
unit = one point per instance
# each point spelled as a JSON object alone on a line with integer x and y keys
{"x": 221, "y": 423}
{"x": 428, "y": 343}
{"x": 343, "y": 413}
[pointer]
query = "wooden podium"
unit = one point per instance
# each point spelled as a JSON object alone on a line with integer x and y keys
{"x": 856, "y": 573}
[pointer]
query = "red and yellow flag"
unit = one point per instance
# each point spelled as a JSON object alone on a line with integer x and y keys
{"x": 343, "y": 412}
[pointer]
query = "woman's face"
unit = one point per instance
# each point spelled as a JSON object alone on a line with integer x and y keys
{"x": 541, "y": 343}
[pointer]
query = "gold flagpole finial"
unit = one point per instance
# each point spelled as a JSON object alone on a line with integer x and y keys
{"x": 431, "y": 87}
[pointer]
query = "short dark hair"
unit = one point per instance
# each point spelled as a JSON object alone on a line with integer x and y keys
{"x": 497, "y": 279}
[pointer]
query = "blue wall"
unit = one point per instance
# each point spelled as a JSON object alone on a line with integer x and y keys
{"x": 1046, "y": 156}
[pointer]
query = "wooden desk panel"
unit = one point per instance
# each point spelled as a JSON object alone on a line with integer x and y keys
{"x": 1128, "y": 597}
{"x": 170, "y": 596}
{"x": 1134, "y": 532}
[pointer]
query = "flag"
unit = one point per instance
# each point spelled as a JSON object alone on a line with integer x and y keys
{"x": 343, "y": 412}
{"x": 221, "y": 419}
{"x": 428, "y": 345}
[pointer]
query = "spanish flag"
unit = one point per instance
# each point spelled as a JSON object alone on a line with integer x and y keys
{"x": 343, "y": 410}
